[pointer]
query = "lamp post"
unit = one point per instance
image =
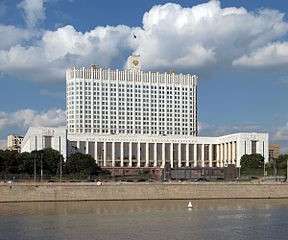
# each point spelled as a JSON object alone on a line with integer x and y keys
{"x": 35, "y": 177}
{"x": 264, "y": 168}
{"x": 41, "y": 162}
{"x": 60, "y": 171}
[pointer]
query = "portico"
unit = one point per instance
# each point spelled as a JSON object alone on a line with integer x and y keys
{"x": 156, "y": 151}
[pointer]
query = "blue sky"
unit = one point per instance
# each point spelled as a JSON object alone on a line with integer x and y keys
{"x": 239, "y": 50}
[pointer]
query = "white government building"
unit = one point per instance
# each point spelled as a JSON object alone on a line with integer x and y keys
{"x": 132, "y": 118}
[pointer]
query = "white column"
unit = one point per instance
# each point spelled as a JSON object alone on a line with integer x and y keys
{"x": 113, "y": 154}
{"x": 249, "y": 147}
{"x": 86, "y": 147}
{"x": 171, "y": 155}
{"x": 222, "y": 154}
{"x": 210, "y": 155}
{"x": 179, "y": 154}
{"x": 147, "y": 154}
{"x": 187, "y": 154}
{"x": 130, "y": 154}
{"x": 233, "y": 153}
{"x": 104, "y": 154}
{"x": 163, "y": 154}
{"x": 218, "y": 155}
{"x": 225, "y": 154}
{"x": 122, "y": 154}
{"x": 138, "y": 154}
{"x": 229, "y": 152}
{"x": 155, "y": 154}
{"x": 78, "y": 145}
{"x": 195, "y": 155}
{"x": 202, "y": 155}
{"x": 96, "y": 152}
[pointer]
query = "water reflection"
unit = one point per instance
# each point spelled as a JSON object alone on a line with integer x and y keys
{"x": 210, "y": 219}
{"x": 107, "y": 207}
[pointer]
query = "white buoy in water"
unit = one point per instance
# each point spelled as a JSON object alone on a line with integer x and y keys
{"x": 190, "y": 205}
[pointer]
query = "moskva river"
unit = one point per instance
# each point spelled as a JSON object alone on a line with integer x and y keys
{"x": 116, "y": 220}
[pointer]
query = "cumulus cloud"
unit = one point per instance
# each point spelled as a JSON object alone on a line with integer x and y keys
{"x": 205, "y": 36}
{"x": 275, "y": 54}
{"x": 34, "y": 12}
{"x": 22, "y": 119}
{"x": 13, "y": 36}
{"x": 63, "y": 48}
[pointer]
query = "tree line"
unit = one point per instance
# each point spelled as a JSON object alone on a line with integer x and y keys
{"x": 251, "y": 162}
{"x": 50, "y": 161}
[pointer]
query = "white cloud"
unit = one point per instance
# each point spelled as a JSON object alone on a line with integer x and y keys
{"x": 194, "y": 39}
{"x": 13, "y": 36}
{"x": 22, "y": 119}
{"x": 34, "y": 12}
{"x": 45, "y": 92}
{"x": 275, "y": 54}
{"x": 63, "y": 48}
{"x": 281, "y": 134}
{"x": 205, "y": 35}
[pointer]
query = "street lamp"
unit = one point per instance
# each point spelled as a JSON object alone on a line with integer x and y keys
{"x": 264, "y": 168}
{"x": 35, "y": 176}
{"x": 60, "y": 171}
{"x": 41, "y": 162}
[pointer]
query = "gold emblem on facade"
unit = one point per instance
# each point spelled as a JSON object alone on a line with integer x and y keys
{"x": 135, "y": 62}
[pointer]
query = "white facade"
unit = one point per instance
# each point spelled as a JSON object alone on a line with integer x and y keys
{"x": 134, "y": 118}
{"x": 38, "y": 138}
{"x": 104, "y": 101}
{"x": 179, "y": 151}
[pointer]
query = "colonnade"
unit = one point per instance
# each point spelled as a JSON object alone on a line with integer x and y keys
{"x": 152, "y": 154}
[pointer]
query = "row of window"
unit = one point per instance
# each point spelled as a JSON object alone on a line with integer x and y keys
{"x": 161, "y": 122}
{"x": 87, "y": 86}
{"x": 130, "y": 131}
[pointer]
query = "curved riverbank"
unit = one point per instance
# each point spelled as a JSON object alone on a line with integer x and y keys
{"x": 43, "y": 192}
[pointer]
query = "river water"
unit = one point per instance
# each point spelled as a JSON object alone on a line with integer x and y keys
{"x": 117, "y": 220}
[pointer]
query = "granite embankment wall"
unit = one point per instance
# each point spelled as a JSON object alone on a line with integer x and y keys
{"x": 20, "y": 192}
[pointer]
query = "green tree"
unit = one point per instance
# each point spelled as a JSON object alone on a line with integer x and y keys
{"x": 1, "y": 161}
{"x": 51, "y": 160}
{"x": 281, "y": 161}
{"x": 9, "y": 162}
{"x": 26, "y": 162}
{"x": 81, "y": 164}
{"x": 252, "y": 162}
